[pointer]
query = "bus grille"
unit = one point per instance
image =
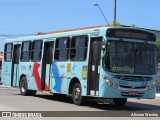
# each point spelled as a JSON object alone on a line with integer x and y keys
{"x": 136, "y": 87}
{"x": 126, "y": 94}
{"x": 133, "y": 78}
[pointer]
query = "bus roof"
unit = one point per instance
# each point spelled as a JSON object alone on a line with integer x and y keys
{"x": 83, "y": 30}
{"x": 52, "y": 34}
{"x": 76, "y": 29}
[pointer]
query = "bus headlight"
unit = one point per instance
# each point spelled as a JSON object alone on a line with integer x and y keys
{"x": 152, "y": 85}
{"x": 155, "y": 82}
{"x": 106, "y": 80}
{"x": 111, "y": 84}
{"x": 148, "y": 87}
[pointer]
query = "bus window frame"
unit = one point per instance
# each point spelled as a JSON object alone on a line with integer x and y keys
{"x": 84, "y": 48}
{"x": 32, "y": 51}
{"x": 57, "y": 48}
{"x": 5, "y": 52}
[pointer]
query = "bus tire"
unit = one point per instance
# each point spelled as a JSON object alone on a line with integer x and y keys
{"x": 77, "y": 97}
{"x": 24, "y": 86}
{"x": 119, "y": 101}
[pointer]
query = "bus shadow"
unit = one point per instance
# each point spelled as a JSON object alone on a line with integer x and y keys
{"x": 58, "y": 98}
{"x": 103, "y": 105}
{"x": 129, "y": 106}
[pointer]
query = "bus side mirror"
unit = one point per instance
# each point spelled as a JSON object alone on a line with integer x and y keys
{"x": 103, "y": 48}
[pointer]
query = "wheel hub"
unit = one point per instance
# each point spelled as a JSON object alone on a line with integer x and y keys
{"x": 23, "y": 86}
{"x": 77, "y": 93}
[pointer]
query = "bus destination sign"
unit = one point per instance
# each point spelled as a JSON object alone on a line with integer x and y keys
{"x": 131, "y": 33}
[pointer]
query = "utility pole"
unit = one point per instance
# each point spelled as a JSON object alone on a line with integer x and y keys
{"x": 114, "y": 22}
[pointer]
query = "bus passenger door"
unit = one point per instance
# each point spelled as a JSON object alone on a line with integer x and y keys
{"x": 46, "y": 65}
{"x": 94, "y": 66}
{"x": 15, "y": 66}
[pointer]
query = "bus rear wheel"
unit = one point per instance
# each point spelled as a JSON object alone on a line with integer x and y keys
{"x": 77, "y": 97}
{"x": 119, "y": 101}
{"x": 24, "y": 88}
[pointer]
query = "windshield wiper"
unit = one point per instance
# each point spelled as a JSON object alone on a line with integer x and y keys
{"x": 142, "y": 46}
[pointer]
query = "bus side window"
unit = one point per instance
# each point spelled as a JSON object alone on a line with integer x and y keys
{"x": 25, "y": 51}
{"x": 62, "y": 49}
{"x": 36, "y": 51}
{"x": 8, "y": 52}
{"x": 49, "y": 53}
{"x": 79, "y": 48}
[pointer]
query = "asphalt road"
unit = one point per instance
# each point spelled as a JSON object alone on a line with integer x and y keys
{"x": 11, "y": 100}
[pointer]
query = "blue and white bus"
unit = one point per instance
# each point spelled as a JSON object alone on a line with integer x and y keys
{"x": 103, "y": 62}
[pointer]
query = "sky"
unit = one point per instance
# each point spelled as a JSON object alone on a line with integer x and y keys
{"x": 27, "y": 17}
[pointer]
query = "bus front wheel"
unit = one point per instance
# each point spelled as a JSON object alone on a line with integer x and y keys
{"x": 77, "y": 97}
{"x": 119, "y": 101}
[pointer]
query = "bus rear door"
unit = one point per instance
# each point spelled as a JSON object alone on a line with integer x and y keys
{"x": 94, "y": 66}
{"x": 15, "y": 65}
{"x": 46, "y": 65}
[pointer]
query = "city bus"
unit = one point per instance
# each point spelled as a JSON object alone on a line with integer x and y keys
{"x": 94, "y": 62}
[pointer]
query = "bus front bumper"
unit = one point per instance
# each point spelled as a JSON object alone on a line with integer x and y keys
{"x": 109, "y": 92}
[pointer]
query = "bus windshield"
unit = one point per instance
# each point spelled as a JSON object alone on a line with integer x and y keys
{"x": 130, "y": 57}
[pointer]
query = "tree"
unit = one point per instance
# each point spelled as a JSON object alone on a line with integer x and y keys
{"x": 115, "y": 23}
{"x": 133, "y": 25}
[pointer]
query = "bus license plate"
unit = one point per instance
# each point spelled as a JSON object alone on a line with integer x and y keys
{"x": 132, "y": 93}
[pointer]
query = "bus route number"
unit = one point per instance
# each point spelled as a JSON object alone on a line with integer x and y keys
{"x": 94, "y": 34}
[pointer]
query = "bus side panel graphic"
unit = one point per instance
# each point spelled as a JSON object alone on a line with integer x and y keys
{"x": 57, "y": 78}
{"x": 36, "y": 76}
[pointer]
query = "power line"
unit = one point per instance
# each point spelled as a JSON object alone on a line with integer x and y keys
{"x": 5, "y": 35}
{"x": 18, "y": 30}
{"x": 14, "y": 36}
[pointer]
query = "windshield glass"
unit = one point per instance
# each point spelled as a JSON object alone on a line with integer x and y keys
{"x": 129, "y": 57}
